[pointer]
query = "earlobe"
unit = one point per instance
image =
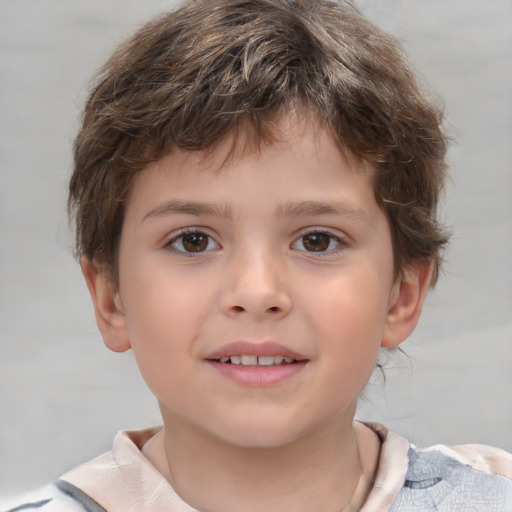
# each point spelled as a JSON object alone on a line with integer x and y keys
{"x": 406, "y": 303}
{"x": 107, "y": 306}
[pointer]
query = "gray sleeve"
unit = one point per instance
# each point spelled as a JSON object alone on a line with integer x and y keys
{"x": 58, "y": 497}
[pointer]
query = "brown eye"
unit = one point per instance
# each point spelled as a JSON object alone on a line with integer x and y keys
{"x": 316, "y": 242}
{"x": 193, "y": 242}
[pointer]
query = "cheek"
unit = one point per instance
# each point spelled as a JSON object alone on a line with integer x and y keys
{"x": 163, "y": 316}
{"x": 349, "y": 318}
{"x": 350, "y": 301}
{"x": 160, "y": 297}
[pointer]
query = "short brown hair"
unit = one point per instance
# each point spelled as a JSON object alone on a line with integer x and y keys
{"x": 191, "y": 76}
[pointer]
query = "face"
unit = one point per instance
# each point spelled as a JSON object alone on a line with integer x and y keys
{"x": 255, "y": 291}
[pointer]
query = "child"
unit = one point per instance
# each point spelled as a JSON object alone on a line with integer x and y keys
{"x": 255, "y": 193}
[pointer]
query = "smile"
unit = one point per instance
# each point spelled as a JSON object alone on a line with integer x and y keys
{"x": 264, "y": 364}
{"x": 257, "y": 364}
{"x": 252, "y": 360}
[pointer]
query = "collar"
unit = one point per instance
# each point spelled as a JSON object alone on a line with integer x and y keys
{"x": 124, "y": 480}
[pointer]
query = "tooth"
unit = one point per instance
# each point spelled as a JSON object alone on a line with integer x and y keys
{"x": 266, "y": 360}
{"x": 278, "y": 359}
{"x": 248, "y": 360}
{"x": 288, "y": 360}
{"x": 236, "y": 359}
{"x": 224, "y": 359}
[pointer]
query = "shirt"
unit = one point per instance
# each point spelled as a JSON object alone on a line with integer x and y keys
{"x": 442, "y": 479}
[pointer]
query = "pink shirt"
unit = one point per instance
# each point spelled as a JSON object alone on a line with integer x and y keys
{"x": 437, "y": 478}
{"x": 123, "y": 479}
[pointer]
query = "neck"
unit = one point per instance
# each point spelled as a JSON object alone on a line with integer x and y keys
{"x": 323, "y": 471}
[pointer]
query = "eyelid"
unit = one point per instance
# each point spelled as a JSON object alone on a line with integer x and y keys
{"x": 190, "y": 230}
{"x": 341, "y": 238}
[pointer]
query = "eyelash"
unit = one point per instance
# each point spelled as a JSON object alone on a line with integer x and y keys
{"x": 172, "y": 244}
{"x": 339, "y": 241}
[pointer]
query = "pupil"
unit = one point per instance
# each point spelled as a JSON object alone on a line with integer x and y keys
{"x": 316, "y": 242}
{"x": 195, "y": 242}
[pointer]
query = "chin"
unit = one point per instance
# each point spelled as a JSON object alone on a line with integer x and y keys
{"x": 262, "y": 435}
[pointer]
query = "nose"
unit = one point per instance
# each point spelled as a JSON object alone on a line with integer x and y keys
{"x": 255, "y": 285}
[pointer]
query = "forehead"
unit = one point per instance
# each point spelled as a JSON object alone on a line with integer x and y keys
{"x": 302, "y": 171}
{"x": 296, "y": 138}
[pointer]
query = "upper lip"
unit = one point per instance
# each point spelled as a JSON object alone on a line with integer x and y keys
{"x": 265, "y": 348}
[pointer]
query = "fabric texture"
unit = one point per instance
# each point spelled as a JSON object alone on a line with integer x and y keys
{"x": 466, "y": 478}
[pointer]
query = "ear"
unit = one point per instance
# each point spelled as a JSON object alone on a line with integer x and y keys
{"x": 406, "y": 303}
{"x": 107, "y": 306}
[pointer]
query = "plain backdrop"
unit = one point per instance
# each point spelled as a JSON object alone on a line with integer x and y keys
{"x": 63, "y": 395}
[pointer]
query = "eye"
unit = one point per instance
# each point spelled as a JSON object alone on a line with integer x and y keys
{"x": 318, "y": 241}
{"x": 193, "y": 241}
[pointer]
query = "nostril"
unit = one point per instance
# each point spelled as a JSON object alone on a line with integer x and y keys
{"x": 273, "y": 309}
{"x": 238, "y": 308}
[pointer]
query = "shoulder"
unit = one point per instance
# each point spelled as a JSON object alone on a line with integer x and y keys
{"x": 480, "y": 457}
{"x": 451, "y": 479}
{"x": 45, "y": 499}
{"x": 61, "y": 496}
{"x": 115, "y": 477}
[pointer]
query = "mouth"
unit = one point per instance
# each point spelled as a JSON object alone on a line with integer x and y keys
{"x": 267, "y": 353}
{"x": 252, "y": 360}
{"x": 257, "y": 364}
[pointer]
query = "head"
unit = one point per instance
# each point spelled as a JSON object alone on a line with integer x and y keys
{"x": 192, "y": 77}
{"x": 258, "y": 179}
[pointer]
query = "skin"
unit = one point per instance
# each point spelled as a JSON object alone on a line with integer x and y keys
{"x": 293, "y": 248}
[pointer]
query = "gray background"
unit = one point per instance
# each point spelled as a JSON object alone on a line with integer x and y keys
{"x": 63, "y": 395}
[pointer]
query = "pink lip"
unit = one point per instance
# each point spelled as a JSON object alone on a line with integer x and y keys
{"x": 266, "y": 348}
{"x": 256, "y": 376}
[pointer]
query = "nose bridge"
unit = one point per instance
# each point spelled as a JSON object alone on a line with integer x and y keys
{"x": 255, "y": 282}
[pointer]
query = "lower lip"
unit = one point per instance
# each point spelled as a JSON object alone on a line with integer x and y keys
{"x": 258, "y": 376}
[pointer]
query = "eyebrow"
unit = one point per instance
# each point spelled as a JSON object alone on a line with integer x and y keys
{"x": 290, "y": 209}
{"x": 190, "y": 208}
{"x": 321, "y": 208}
